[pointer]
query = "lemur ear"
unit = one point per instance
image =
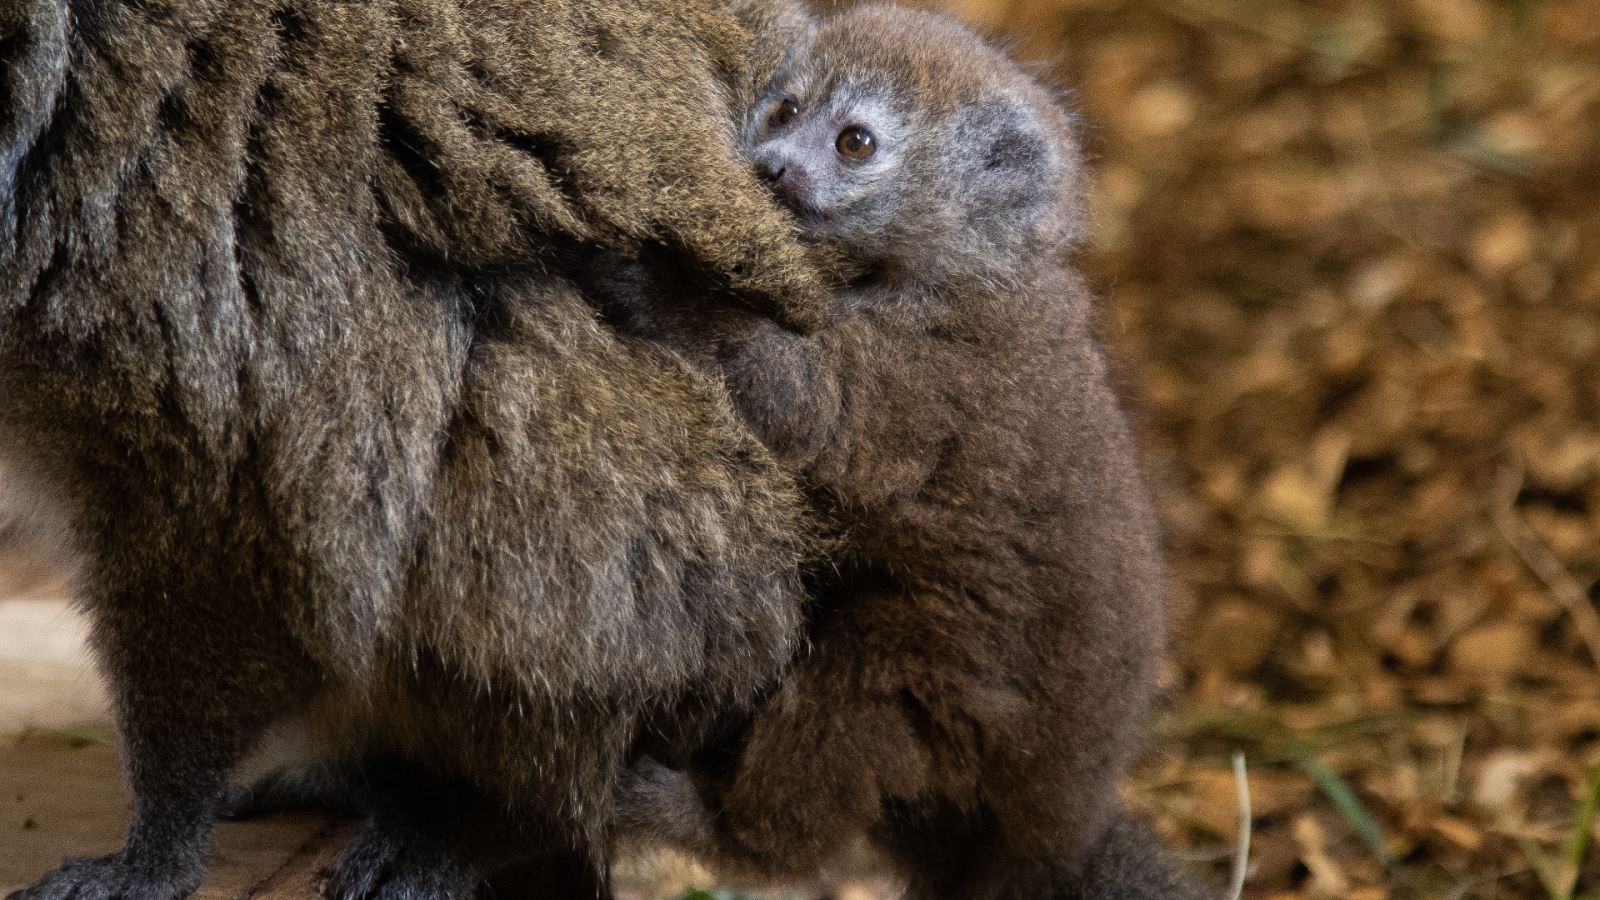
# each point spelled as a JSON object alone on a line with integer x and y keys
{"x": 1003, "y": 138}
{"x": 1010, "y": 166}
{"x": 1018, "y": 168}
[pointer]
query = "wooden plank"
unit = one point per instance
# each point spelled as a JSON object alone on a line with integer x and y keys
{"x": 62, "y": 797}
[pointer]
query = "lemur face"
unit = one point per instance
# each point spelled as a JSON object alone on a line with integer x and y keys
{"x": 905, "y": 140}
{"x": 832, "y": 152}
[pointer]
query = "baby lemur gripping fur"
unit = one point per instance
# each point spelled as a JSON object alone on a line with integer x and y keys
{"x": 290, "y": 337}
{"x": 983, "y": 660}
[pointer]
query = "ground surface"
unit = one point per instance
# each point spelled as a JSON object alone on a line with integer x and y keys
{"x": 58, "y": 797}
{"x": 1351, "y": 251}
{"x": 1351, "y": 255}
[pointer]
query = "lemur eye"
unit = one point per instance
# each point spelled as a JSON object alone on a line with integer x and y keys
{"x": 856, "y": 142}
{"x": 783, "y": 113}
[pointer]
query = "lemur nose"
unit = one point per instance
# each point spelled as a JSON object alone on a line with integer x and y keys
{"x": 772, "y": 172}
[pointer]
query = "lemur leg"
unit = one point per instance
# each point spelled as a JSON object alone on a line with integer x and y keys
{"x": 554, "y": 876}
{"x": 1042, "y": 820}
{"x": 442, "y": 839}
{"x": 1126, "y": 862}
{"x": 399, "y": 856}
{"x": 191, "y": 694}
{"x": 1004, "y": 848}
{"x": 840, "y": 738}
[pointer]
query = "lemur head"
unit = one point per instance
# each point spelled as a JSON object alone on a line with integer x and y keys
{"x": 905, "y": 139}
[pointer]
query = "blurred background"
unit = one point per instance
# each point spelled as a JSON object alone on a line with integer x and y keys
{"x": 1350, "y": 256}
{"x": 1350, "y": 253}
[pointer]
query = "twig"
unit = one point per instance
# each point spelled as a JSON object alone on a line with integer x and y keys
{"x": 1543, "y": 563}
{"x": 1241, "y": 856}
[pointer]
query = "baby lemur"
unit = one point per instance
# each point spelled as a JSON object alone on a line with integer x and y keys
{"x": 983, "y": 660}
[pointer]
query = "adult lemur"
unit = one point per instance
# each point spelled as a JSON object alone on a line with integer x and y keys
{"x": 288, "y": 339}
{"x": 984, "y": 657}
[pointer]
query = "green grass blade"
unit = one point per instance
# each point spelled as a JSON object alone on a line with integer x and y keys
{"x": 1344, "y": 800}
{"x": 1582, "y": 827}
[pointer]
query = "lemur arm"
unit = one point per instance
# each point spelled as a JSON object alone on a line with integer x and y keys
{"x": 788, "y": 386}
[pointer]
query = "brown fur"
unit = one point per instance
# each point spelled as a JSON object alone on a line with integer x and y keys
{"x": 983, "y": 658}
{"x": 288, "y": 325}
